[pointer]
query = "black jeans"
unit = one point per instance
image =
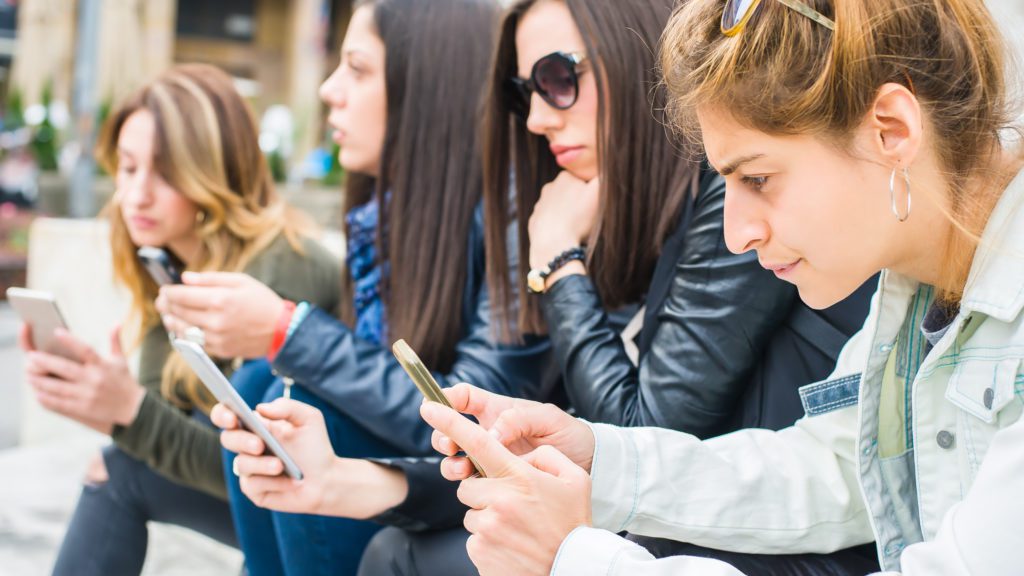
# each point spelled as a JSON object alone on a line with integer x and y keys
{"x": 395, "y": 552}
{"x": 108, "y": 532}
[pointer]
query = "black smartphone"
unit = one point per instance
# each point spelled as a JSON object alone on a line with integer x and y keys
{"x": 162, "y": 265}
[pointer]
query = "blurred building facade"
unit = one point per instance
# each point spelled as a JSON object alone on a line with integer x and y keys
{"x": 277, "y": 50}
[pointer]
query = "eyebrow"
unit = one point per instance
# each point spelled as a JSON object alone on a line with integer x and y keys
{"x": 735, "y": 164}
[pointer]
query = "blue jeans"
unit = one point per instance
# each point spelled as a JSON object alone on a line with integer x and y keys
{"x": 276, "y": 543}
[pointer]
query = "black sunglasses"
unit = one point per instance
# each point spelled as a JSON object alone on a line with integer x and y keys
{"x": 554, "y": 77}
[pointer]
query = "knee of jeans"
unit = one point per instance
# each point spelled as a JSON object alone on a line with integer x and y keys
{"x": 96, "y": 471}
{"x": 388, "y": 553}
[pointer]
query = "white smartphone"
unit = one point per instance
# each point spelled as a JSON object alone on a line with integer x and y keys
{"x": 215, "y": 381}
{"x": 39, "y": 310}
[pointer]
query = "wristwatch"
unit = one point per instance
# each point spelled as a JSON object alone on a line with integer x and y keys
{"x": 537, "y": 277}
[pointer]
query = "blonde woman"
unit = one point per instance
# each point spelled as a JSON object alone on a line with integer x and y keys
{"x": 190, "y": 179}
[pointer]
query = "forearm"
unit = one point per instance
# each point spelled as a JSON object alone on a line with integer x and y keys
{"x": 362, "y": 489}
{"x": 599, "y": 377}
{"x": 174, "y": 445}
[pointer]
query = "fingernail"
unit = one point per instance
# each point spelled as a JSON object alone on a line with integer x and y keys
{"x": 254, "y": 446}
{"x": 429, "y": 409}
{"x": 190, "y": 277}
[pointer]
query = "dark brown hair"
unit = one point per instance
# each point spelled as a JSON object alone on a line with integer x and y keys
{"x": 785, "y": 74}
{"x": 436, "y": 61}
{"x": 644, "y": 181}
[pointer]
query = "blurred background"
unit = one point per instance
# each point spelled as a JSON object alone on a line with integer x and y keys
{"x": 63, "y": 64}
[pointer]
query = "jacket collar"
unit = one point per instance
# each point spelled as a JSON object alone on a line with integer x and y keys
{"x": 995, "y": 286}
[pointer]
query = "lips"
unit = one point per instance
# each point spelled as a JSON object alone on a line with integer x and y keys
{"x": 782, "y": 269}
{"x": 142, "y": 222}
{"x": 565, "y": 154}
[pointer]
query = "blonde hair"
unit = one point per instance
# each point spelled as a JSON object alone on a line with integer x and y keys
{"x": 206, "y": 147}
{"x": 786, "y": 74}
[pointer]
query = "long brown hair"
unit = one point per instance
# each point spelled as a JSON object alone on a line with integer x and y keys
{"x": 436, "y": 62}
{"x": 207, "y": 148}
{"x": 786, "y": 74}
{"x": 644, "y": 181}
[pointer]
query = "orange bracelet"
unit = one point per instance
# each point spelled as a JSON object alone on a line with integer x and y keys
{"x": 281, "y": 330}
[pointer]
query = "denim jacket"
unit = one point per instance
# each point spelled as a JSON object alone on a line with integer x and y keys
{"x": 366, "y": 383}
{"x": 930, "y": 466}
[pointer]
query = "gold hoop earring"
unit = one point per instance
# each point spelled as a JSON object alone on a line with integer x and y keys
{"x": 892, "y": 194}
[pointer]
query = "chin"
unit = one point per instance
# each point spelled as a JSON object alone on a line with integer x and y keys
{"x": 819, "y": 298}
{"x": 353, "y": 162}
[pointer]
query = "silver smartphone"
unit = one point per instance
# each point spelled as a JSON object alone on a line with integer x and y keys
{"x": 39, "y": 310}
{"x": 215, "y": 381}
{"x": 426, "y": 384}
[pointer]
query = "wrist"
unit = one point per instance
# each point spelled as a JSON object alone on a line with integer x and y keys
{"x": 281, "y": 324}
{"x": 544, "y": 253}
{"x": 131, "y": 406}
{"x": 574, "y": 268}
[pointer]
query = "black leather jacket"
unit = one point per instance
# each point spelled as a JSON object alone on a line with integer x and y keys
{"x": 705, "y": 330}
{"x": 366, "y": 383}
{"x": 718, "y": 333}
{"x": 724, "y": 346}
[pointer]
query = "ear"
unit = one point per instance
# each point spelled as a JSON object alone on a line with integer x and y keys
{"x": 895, "y": 125}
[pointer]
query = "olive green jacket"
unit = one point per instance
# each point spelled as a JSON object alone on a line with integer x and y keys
{"x": 169, "y": 439}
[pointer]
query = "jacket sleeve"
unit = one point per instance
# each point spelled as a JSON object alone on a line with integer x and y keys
{"x": 432, "y": 502}
{"x": 168, "y": 440}
{"x": 365, "y": 382}
{"x": 720, "y": 311}
{"x": 751, "y": 491}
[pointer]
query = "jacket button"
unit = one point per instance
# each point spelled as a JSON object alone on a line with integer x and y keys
{"x": 945, "y": 439}
{"x": 990, "y": 396}
{"x": 893, "y": 548}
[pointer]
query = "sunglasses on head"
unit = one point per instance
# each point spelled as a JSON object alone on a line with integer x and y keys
{"x": 555, "y": 78}
{"x": 738, "y": 12}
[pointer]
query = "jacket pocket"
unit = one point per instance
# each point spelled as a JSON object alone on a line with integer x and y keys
{"x": 983, "y": 387}
{"x": 829, "y": 395}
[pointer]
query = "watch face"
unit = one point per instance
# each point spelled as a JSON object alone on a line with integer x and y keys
{"x": 535, "y": 281}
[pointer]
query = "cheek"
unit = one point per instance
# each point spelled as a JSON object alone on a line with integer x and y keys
{"x": 179, "y": 213}
{"x": 364, "y": 142}
{"x": 584, "y": 112}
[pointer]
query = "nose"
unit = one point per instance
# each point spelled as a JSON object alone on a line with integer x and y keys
{"x": 332, "y": 91}
{"x": 543, "y": 118}
{"x": 745, "y": 226}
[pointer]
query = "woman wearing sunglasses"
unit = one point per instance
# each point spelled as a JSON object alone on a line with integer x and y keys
{"x": 868, "y": 138}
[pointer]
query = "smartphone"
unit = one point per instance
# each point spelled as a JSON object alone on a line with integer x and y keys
{"x": 426, "y": 384}
{"x": 162, "y": 265}
{"x": 216, "y": 383}
{"x": 39, "y": 310}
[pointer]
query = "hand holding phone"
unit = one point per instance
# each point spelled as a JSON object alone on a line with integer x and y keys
{"x": 214, "y": 380}
{"x": 39, "y": 310}
{"x": 426, "y": 384}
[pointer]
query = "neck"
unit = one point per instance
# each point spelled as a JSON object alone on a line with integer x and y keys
{"x": 919, "y": 243}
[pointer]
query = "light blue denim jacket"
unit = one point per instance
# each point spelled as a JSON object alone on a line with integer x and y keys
{"x": 920, "y": 450}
